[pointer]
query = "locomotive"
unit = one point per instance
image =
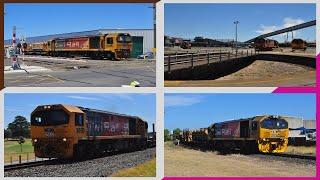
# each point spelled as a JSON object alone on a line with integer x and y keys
{"x": 266, "y": 134}
{"x": 110, "y": 46}
{"x": 261, "y": 44}
{"x": 298, "y": 44}
{"x": 66, "y": 131}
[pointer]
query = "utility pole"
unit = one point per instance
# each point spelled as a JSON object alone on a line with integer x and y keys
{"x": 154, "y": 26}
{"x": 236, "y": 43}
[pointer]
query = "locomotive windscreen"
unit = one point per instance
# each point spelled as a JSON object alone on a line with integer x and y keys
{"x": 274, "y": 123}
{"x": 49, "y": 118}
{"x": 124, "y": 38}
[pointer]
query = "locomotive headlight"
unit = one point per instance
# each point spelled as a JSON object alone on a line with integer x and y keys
{"x": 35, "y": 140}
{"x": 64, "y": 139}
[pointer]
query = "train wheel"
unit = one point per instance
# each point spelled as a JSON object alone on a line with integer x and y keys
{"x": 79, "y": 151}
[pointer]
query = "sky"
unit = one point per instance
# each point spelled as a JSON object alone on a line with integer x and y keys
{"x": 142, "y": 105}
{"x": 216, "y": 20}
{"x": 201, "y": 110}
{"x": 46, "y": 19}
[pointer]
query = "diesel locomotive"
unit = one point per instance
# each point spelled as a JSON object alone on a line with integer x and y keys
{"x": 298, "y": 44}
{"x": 267, "y": 134}
{"x": 66, "y": 131}
{"x": 261, "y": 44}
{"x": 110, "y": 46}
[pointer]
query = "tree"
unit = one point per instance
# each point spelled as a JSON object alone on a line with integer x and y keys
{"x": 176, "y": 133}
{"x": 166, "y": 135}
{"x": 7, "y": 134}
{"x": 19, "y": 127}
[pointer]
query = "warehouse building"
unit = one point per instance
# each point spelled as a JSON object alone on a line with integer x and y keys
{"x": 143, "y": 39}
{"x": 300, "y": 130}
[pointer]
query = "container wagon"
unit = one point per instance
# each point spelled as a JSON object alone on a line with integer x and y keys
{"x": 261, "y": 44}
{"x": 65, "y": 131}
{"x": 298, "y": 44}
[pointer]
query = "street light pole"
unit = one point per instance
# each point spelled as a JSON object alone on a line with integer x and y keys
{"x": 236, "y": 43}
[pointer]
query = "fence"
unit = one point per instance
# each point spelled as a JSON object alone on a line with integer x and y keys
{"x": 189, "y": 60}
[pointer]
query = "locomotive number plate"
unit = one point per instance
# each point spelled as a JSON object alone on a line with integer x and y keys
{"x": 49, "y": 132}
{"x": 275, "y": 133}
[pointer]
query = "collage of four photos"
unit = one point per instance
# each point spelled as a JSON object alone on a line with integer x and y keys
{"x": 164, "y": 90}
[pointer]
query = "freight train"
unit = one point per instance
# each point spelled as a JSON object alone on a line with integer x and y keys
{"x": 266, "y": 134}
{"x": 110, "y": 46}
{"x": 66, "y": 131}
{"x": 298, "y": 44}
{"x": 261, "y": 44}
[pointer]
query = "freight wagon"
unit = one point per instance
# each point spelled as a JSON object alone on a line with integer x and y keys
{"x": 261, "y": 44}
{"x": 267, "y": 134}
{"x": 65, "y": 131}
{"x": 110, "y": 46}
{"x": 298, "y": 44}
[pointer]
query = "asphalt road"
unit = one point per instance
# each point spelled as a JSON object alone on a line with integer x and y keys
{"x": 81, "y": 73}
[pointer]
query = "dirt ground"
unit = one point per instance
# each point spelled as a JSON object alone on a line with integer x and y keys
{"x": 181, "y": 161}
{"x": 260, "y": 73}
{"x": 307, "y": 150}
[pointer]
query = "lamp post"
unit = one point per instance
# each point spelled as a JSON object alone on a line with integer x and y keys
{"x": 236, "y": 43}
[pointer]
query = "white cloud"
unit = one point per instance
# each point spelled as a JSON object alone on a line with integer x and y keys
{"x": 287, "y": 22}
{"x": 266, "y": 29}
{"x": 180, "y": 100}
{"x": 83, "y": 98}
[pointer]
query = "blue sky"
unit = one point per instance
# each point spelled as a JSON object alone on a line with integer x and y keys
{"x": 216, "y": 20}
{"x": 142, "y": 105}
{"x": 45, "y": 19}
{"x": 201, "y": 110}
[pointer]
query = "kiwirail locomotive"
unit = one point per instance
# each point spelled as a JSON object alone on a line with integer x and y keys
{"x": 66, "y": 131}
{"x": 110, "y": 46}
{"x": 266, "y": 133}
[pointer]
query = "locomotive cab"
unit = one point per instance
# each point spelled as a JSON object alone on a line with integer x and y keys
{"x": 55, "y": 129}
{"x": 272, "y": 134}
{"x": 120, "y": 43}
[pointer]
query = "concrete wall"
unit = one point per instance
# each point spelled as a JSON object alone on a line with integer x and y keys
{"x": 219, "y": 69}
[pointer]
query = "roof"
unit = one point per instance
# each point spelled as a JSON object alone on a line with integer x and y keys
{"x": 106, "y": 112}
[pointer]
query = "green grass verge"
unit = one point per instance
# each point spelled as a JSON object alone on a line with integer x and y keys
{"x": 147, "y": 169}
{"x": 12, "y": 150}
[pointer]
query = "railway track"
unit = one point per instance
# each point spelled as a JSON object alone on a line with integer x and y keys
{"x": 28, "y": 164}
{"x": 283, "y": 155}
{"x": 297, "y": 156}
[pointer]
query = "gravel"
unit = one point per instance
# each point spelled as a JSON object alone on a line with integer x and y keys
{"x": 100, "y": 167}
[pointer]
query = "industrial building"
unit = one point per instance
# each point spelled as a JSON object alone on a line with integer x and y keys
{"x": 300, "y": 131}
{"x": 143, "y": 39}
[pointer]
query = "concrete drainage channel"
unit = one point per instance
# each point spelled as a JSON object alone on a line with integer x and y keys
{"x": 220, "y": 69}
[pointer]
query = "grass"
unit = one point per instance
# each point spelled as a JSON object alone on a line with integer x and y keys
{"x": 147, "y": 169}
{"x": 306, "y": 150}
{"x": 12, "y": 150}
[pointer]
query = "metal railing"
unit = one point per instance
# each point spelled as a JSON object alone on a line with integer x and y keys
{"x": 190, "y": 60}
